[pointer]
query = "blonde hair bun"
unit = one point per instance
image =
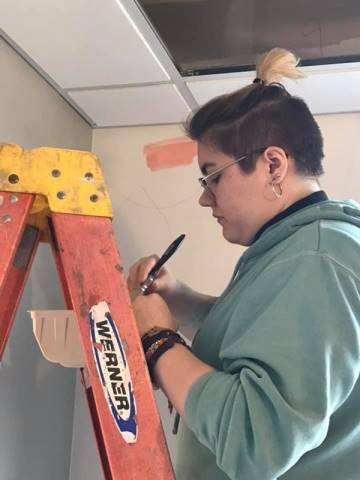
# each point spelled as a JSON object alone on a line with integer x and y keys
{"x": 277, "y": 64}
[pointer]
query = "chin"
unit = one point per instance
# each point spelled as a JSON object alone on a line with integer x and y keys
{"x": 237, "y": 239}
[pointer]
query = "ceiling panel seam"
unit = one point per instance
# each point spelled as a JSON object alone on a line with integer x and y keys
{"x": 118, "y": 86}
{"x": 130, "y": 125}
{"x": 151, "y": 39}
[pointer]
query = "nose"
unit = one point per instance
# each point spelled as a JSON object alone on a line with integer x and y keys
{"x": 206, "y": 199}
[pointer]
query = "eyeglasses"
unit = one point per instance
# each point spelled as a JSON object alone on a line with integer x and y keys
{"x": 212, "y": 178}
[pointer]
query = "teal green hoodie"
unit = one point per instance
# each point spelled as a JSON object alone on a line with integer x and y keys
{"x": 284, "y": 338}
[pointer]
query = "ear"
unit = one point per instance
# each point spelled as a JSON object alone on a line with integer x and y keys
{"x": 276, "y": 164}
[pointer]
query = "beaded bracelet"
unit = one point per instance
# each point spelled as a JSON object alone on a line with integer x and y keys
{"x": 155, "y": 343}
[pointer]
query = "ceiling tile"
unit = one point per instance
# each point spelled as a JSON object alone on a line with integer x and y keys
{"x": 332, "y": 90}
{"x": 204, "y": 90}
{"x": 148, "y": 105}
{"x": 81, "y": 43}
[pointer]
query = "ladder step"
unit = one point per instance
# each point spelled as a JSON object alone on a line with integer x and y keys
{"x": 57, "y": 334}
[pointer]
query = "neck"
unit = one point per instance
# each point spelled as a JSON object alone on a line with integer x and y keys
{"x": 297, "y": 202}
{"x": 296, "y": 191}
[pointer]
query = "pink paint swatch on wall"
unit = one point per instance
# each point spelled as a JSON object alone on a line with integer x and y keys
{"x": 174, "y": 152}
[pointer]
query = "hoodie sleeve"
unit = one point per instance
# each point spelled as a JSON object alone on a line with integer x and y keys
{"x": 285, "y": 374}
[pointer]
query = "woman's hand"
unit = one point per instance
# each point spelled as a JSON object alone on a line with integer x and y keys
{"x": 164, "y": 283}
{"x": 151, "y": 311}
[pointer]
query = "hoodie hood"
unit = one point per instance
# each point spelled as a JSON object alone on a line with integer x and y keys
{"x": 347, "y": 211}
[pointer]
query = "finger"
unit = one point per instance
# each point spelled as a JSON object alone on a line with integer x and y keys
{"x": 134, "y": 292}
{"x": 132, "y": 279}
{"x": 153, "y": 288}
{"x": 134, "y": 270}
{"x": 146, "y": 266}
{"x": 131, "y": 283}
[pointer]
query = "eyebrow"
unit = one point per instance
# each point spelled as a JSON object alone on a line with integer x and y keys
{"x": 204, "y": 168}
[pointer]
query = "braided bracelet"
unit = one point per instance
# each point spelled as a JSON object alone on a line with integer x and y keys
{"x": 155, "y": 343}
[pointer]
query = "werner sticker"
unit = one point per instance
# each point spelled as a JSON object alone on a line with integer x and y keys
{"x": 113, "y": 370}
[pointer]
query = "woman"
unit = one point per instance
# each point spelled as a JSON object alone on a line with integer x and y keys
{"x": 270, "y": 389}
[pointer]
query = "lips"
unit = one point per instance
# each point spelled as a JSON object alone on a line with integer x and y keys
{"x": 218, "y": 218}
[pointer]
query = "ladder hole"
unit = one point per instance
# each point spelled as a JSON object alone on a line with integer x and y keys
{"x": 13, "y": 178}
{"x": 88, "y": 176}
{"x": 61, "y": 195}
{"x": 6, "y": 219}
{"x": 94, "y": 198}
{"x": 56, "y": 173}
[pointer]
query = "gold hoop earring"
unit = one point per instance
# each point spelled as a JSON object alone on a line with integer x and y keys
{"x": 279, "y": 193}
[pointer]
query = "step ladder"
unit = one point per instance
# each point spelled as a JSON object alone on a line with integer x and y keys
{"x": 59, "y": 196}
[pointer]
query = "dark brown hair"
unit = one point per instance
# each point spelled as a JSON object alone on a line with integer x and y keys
{"x": 262, "y": 114}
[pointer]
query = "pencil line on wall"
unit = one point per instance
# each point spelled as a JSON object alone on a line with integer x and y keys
{"x": 157, "y": 209}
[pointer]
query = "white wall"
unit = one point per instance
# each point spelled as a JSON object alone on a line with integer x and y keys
{"x": 342, "y": 166}
{"x": 36, "y": 397}
{"x": 152, "y": 208}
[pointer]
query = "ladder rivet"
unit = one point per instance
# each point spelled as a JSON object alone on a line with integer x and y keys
{"x": 6, "y": 219}
{"x": 88, "y": 176}
{"x": 56, "y": 173}
{"x": 94, "y": 198}
{"x": 61, "y": 195}
{"x": 13, "y": 178}
{"x": 13, "y": 199}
